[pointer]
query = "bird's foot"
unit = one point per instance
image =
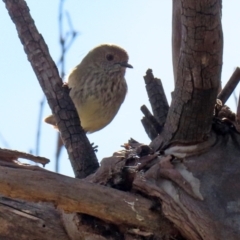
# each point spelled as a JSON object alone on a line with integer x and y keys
{"x": 95, "y": 148}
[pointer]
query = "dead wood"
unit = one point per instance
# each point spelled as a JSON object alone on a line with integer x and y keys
{"x": 176, "y": 35}
{"x": 150, "y": 124}
{"x": 157, "y": 97}
{"x": 200, "y": 193}
{"x": 197, "y": 184}
{"x": 197, "y": 68}
{"x": 32, "y": 183}
{"x": 149, "y": 128}
{"x": 10, "y": 155}
{"x": 21, "y": 220}
{"x": 80, "y": 152}
{"x": 230, "y": 86}
{"x": 196, "y": 188}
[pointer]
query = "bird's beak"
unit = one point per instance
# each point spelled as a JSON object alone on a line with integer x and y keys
{"x": 125, "y": 64}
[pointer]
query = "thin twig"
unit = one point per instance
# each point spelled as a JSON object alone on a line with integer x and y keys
{"x": 9, "y": 155}
{"x": 230, "y": 86}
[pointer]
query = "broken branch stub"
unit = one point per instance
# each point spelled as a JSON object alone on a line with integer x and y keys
{"x": 157, "y": 97}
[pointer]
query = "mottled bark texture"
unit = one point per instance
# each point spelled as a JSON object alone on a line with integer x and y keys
{"x": 80, "y": 152}
{"x": 197, "y": 62}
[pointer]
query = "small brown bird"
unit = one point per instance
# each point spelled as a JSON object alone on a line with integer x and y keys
{"x": 98, "y": 87}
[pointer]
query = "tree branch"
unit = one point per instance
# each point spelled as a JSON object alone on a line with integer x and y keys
{"x": 74, "y": 195}
{"x": 11, "y": 155}
{"x": 197, "y": 70}
{"x": 157, "y": 97}
{"x": 150, "y": 124}
{"x": 230, "y": 86}
{"x": 23, "y": 220}
{"x": 149, "y": 128}
{"x": 66, "y": 39}
{"x": 81, "y": 154}
{"x": 176, "y": 35}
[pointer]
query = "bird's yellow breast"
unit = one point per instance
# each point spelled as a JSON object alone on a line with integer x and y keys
{"x": 94, "y": 116}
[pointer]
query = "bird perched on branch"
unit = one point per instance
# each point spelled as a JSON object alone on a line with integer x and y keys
{"x": 98, "y": 87}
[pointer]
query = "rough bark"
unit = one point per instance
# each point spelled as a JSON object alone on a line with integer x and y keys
{"x": 195, "y": 187}
{"x": 21, "y": 220}
{"x": 153, "y": 124}
{"x": 150, "y": 124}
{"x": 80, "y": 152}
{"x": 197, "y": 66}
{"x": 157, "y": 97}
{"x": 34, "y": 184}
{"x": 199, "y": 188}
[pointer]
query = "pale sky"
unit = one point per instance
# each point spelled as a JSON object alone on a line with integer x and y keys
{"x": 143, "y": 28}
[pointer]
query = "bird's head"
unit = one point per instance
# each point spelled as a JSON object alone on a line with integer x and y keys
{"x": 109, "y": 58}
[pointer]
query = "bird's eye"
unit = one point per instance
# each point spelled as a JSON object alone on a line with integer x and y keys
{"x": 109, "y": 57}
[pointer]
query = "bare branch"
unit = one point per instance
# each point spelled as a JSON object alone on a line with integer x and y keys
{"x": 176, "y": 36}
{"x": 157, "y": 97}
{"x": 11, "y": 155}
{"x": 230, "y": 86}
{"x": 151, "y": 125}
{"x": 74, "y": 195}
{"x": 65, "y": 45}
{"x": 81, "y": 154}
{"x": 149, "y": 129}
